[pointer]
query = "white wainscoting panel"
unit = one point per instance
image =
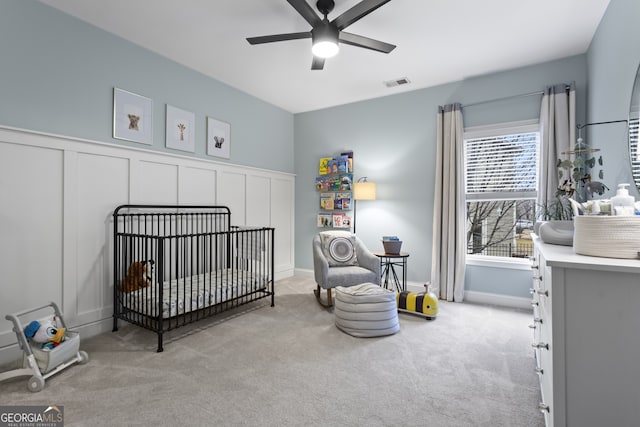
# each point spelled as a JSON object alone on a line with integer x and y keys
{"x": 104, "y": 185}
{"x": 57, "y": 196}
{"x": 232, "y": 190}
{"x": 283, "y": 220}
{"x": 30, "y": 229}
{"x": 157, "y": 183}
{"x": 258, "y": 201}
{"x": 197, "y": 186}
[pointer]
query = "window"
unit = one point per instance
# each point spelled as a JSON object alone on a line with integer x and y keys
{"x": 501, "y": 186}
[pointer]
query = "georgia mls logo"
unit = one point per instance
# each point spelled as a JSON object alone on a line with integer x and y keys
{"x": 32, "y": 416}
{"x": 53, "y": 414}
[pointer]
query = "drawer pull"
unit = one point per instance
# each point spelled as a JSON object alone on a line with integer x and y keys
{"x": 540, "y": 345}
{"x": 545, "y": 293}
{"x": 543, "y": 407}
{"x": 538, "y": 278}
{"x": 537, "y": 320}
{"x": 540, "y": 371}
{"x": 535, "y": 303}
{"x": 532, "y": 326}
{"x": 534, "y": 267}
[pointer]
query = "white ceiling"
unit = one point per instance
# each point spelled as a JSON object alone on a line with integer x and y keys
{"x": 437, "y": 42}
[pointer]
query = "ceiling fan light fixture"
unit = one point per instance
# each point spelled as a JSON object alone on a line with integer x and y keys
{"x": 326, "y": 35}
{"x": 325, "y": 40}
{"x": 325, "y": 49}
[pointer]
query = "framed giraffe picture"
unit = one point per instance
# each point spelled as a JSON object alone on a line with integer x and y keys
{"x": 180, "y": 133}
{"x": 218, "y": 138}
{"x": 132, "y": 117}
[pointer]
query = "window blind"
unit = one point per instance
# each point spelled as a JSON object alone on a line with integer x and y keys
{"x": 501, "y": 167}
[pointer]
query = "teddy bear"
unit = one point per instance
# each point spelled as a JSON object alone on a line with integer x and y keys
{"x": 46, "y": 333}
{"x": 138, "y": 276}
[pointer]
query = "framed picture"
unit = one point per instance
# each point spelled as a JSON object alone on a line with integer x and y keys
{"x": 218, "y": 138}
{"x": 132, "y": 117}
{"x": 181, "y": 133}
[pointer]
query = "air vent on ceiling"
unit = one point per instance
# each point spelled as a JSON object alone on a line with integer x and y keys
{"x": 397, "y": 82}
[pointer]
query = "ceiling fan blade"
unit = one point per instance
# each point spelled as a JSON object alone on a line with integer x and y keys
{"x": 279, "y": 37}
{"x": 318, "y": 63}
{"x": 307, "y": 12}
{"x": 365, "y": 42}
{"x": 358, "y": 11}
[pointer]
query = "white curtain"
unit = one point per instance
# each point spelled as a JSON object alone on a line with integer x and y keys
{"x": 557, "y": 132}
{"x": 449, "y": 213}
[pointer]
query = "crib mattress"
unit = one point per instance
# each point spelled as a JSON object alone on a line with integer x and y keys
{"x": 186, "y": 294}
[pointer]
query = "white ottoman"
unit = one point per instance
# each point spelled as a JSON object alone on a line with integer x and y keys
{"x": 366, "y": 310}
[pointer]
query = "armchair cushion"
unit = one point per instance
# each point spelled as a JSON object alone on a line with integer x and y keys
{"x": 339, "y": 248}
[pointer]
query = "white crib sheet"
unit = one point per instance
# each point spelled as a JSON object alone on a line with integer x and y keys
{"x": 194, "y": 292}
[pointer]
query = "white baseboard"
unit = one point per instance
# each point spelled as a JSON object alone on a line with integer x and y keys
{"x": 304, "y": 272}
{"x": 497, "y": 299}
{"x": 469, "y": 296}
{"x": 283, "y": 274}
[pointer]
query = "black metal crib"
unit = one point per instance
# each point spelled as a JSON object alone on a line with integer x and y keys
{"x": 175, "y": 265}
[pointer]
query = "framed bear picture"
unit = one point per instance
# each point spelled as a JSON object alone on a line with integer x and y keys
{"x": 132, "y": 117}
{"x": 218, "y": 138}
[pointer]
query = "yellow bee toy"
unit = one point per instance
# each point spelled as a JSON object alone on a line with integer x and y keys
{"x": 421, "y": 303}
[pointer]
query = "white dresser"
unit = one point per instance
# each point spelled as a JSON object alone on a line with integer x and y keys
{"x": 586, "y": 328}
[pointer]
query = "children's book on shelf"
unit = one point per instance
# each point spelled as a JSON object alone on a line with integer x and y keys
{"x": 336, "y": 165}
{"x": 341, "y": 220}
{"x": 349, "y": 156}
{"x": 324, "y": 220}
{"x": 343, "y": 201}
{"x": 345, "y": 182}
{"x": 343, "y": 164}
{"x": 323, "y": 169}
{"x": 334, "y": 182}
{"x": 327, "y": 201}
{"x": 333, "y": 166}
{"x": 323, "y": 183}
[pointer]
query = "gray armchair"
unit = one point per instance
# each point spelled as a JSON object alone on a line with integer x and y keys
{"x": 328, "y": 275}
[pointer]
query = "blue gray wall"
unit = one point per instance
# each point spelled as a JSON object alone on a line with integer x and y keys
{"x": 613, "y": 59}
{"x": 58, "y": 75}
{"x": 393, "y": 139}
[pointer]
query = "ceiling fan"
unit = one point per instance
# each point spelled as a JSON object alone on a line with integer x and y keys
{"x": 326, "y": 34}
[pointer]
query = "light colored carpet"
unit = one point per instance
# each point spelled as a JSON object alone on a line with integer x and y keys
{"x": 290, "y": 366}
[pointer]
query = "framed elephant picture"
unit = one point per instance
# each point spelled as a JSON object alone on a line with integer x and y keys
{"x": 218, "y": 138}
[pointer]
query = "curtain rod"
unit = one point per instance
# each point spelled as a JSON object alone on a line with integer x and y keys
{"x": 540, "y": 92}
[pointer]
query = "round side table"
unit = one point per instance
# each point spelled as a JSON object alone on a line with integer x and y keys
{"x": 388, "y": 264}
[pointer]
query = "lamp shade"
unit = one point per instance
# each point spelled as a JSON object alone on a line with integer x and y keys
{"x": 364, "y": 190}
{"x": 324, "y": 39}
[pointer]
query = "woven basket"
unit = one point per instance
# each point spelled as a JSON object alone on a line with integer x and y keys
{"x": 392, "y": 246}
{"x": 607, "y": 236}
